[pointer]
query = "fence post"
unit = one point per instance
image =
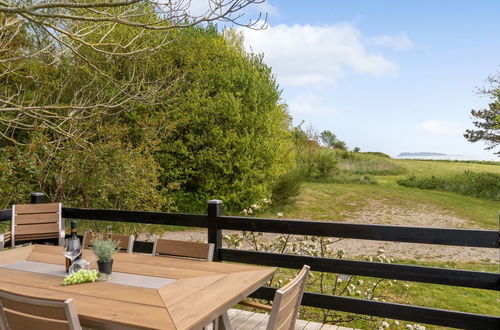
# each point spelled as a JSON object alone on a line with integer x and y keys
{"x": 214, "y": 233}
{"x": 38, "y": 198}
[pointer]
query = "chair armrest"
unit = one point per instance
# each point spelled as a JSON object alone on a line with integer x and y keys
{"x": 257, "y": 305}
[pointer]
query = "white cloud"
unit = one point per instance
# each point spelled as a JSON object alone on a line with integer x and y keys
{"x": 399, "y": 42}
{"x": 309, "y": 104}
{"x": 306, "y": 55}
{"x": 440, "y": 128}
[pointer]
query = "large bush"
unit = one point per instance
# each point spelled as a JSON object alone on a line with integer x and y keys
{"x": 231, "y": 134}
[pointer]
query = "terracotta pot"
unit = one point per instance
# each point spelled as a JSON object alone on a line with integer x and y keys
{"x": 105, "y": 267}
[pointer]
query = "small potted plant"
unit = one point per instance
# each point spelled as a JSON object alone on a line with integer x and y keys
{"x": 104, "y": 248}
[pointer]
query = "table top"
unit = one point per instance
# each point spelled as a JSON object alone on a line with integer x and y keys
{"x": 199, "y": 291}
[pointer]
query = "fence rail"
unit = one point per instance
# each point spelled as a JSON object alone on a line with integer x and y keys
{"x": 215, "y": 222}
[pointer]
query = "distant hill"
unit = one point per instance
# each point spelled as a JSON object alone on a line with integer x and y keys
{"x": 421, "y": 154}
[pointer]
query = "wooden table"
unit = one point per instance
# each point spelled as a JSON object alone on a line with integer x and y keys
{"x": 201, "y": 290}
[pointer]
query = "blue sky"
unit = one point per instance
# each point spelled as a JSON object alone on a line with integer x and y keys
{"x": 388, "y": 76}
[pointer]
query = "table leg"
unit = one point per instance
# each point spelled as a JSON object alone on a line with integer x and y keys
{"x": 223, "y": 322}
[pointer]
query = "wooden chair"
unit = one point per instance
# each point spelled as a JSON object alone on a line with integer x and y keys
{"x": 126, "y": 242}
{"x": 24, "y": 312}
{"x": 286, "y": 303}
{"x": 183, "y": 249}
{"x": 35, "y": 222}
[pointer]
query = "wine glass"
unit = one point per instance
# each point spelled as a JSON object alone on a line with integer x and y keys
{"x": 72, "y": 248}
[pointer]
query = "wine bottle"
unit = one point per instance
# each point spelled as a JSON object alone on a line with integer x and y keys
{"x": 74, "y": 236}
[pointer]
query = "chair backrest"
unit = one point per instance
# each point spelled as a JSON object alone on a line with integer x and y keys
{"x": 37, "y": 221}
{"x": 183, "y": 249}
{"x": 126, "y": 242}
{"x": 24, "y": 312}
{"x": 287, "y": 301}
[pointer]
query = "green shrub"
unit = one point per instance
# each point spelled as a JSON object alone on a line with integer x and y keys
{"x": 287, "y": 186}
{"x": 325, "y": 163}
{"x": 482, "y": 185}
{"x": 422, "y": 183}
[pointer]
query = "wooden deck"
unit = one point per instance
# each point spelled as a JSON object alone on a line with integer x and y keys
{"x": 243, "y": 320}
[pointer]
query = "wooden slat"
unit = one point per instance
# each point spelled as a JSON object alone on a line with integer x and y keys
{"x": 36, "y": 229}
{"x": 50, "y": 312}
{"x": 126, "y": 267}
{"x": 13, "y": 255}
{"x": 104, "y": 289}
{"x": 243, "y": 316}
{"x": 37, "y": 208}
{"x": 20, "y": 321}
{"x": 37, "y": 218}
{"x": 36, "y": 237}
{"x": 122, "y": 239}
{"x": 448, "y": 236}
{"x": 191, "y": 265}
{"x": 473, "y": 279}
{"x": 313, "y": 326}
{"x": 159, "y": 218}
{"x": 209, "y": 302}
{"x": 182, "y": 248}
{"x": 251, "y": 322}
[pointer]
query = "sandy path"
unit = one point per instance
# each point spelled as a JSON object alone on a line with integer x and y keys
{"x": 376, "y": 212}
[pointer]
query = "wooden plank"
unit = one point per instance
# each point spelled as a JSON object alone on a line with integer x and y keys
{"x": 206, "y": 304}
{"x": 252, "y": 321}
{"x": 233, "y": 312}
{"x": 36, "y": 237}
{"x": 123, "y": 240}
{"x": 180, "y": 290}
{"x": 243, "y": 316}
{"x": 42, "y": 311}
{"x": 182, "y": 248}
{"x": 472, "y": 279}
{"x": 331, "y": 327}
{"x": 37, "y": 208}
{"x": 159, "y": 218}
{"x": 24, "y": 219}
{"x": 103, "y": 289}
{"x": 36, "y": 229}
{"x": 300, "y": 324}
{"x": 458, "y": 237}
{"x": 191, "y": 265}
{"x": 18, "y": 320}
{"x": 13, "y": 255}
{"x": 313, "y": 326}
{"x": 5, "y": 215}
{"x": 125, "y": 267}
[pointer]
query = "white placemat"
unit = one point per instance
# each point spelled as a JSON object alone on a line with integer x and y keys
{"x": 150, "y": 282}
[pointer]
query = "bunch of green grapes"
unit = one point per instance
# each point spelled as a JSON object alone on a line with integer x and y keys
{"x": 80, "y": 276}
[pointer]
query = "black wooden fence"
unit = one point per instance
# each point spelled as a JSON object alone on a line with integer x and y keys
{"x": 215, "y": 222}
